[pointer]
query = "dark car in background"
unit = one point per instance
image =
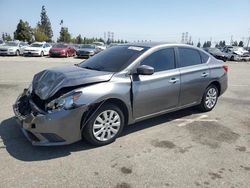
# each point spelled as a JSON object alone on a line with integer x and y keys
{"x": 62, "y": 50}
{"x": 217, "y": 53}
{"x": 87, "y": 50}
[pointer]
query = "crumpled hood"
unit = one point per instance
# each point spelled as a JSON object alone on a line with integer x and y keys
{"x": 46, "y": 83}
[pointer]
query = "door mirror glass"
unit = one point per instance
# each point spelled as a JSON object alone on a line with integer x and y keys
{"x": 145, "y": 70}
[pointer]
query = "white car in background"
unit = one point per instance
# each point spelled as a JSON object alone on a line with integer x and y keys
{"x": 13, "y": 48}
{"x": 100, "y": 46}
{"x": 37, "y": 49}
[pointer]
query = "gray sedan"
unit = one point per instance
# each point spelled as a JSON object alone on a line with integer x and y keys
{"x": 87, "y": 50}
{"x": 119, "y": 86}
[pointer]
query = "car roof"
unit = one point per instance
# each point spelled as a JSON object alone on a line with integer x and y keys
{"x": 155, "y": 44}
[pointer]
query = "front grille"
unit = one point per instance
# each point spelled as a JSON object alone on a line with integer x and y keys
{"x": 84, "y": 53}
{"x": 3, "y": 50}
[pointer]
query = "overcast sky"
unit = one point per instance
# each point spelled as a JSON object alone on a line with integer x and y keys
{"x": 156, "y": 20}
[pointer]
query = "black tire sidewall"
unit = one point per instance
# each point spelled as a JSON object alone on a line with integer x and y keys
{"x": 88, "y": 129}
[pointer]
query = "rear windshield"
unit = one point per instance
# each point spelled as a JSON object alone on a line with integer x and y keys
{"x": 36, "y": 45}
{"x": 113, "y": 59}
{"x": 60, "y": 46}
{"x": 11, "y": 44}
{"x": 88, "y": 46}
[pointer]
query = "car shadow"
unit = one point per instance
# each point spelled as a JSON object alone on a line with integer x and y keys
{"x": 20, "y": 148}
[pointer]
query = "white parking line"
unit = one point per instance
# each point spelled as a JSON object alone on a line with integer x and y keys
{"x": 189, "y": 121}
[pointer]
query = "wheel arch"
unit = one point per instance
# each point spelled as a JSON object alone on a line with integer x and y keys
{"x": 217, "y": 84}
{"x": 93, "y": 107}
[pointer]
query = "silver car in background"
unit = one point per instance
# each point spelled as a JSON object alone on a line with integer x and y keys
{"x": 13, "y": 48}
{"x": 119, "y": 86}
{"x": 86, "y": 50}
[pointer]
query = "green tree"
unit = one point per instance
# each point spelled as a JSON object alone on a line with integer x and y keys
{"x": 45, "y": 24}
{"x": 199, "y": 44}
{"x": 64, "y": 35}
{"x": 205, "y": 44}
{"x": 6, "y": 37}
{"x": 79, "y": 39}
{"x": 23, "y": 31}
{"x": 241, "y": 44}
{"x": 235, "y": 43}
{"x": 209, "y": 44}
{"x": 39, "y": 34}
{"x": 108, "y": 41}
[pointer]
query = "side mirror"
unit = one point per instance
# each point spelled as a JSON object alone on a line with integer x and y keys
{"x": 145, "y": 70}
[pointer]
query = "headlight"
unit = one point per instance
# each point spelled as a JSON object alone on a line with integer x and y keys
{"x": 91, "y": 52}
{"x": 65, "y": 102}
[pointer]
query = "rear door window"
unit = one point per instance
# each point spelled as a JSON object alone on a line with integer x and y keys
{"x": 204, "y": 57}
{"x": 189, "y": 57}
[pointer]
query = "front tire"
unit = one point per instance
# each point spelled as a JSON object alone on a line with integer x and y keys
{"x": 42, "y": 54}
{"x": 209, "y": 98}
{"x": 17, "y": 53}
{"x": 105, "y": 126}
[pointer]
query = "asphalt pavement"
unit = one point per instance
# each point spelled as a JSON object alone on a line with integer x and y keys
{"x": 182, "y": 149}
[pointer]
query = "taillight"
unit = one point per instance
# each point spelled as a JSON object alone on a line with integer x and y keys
{"x": 225, "y": 67}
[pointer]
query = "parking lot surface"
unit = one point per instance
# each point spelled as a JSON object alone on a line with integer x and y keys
{"x": 181, "y": 149}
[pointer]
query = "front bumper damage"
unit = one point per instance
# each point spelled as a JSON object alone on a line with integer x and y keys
{"x": 48, "y": 129}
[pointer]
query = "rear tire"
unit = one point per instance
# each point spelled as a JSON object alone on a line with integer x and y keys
{"x": 209, "y": 98}
{"x": 104, "y": 126}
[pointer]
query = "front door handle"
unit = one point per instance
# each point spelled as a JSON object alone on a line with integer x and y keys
{"x": 173, "y": 80}
{"x": 204, "y": 74}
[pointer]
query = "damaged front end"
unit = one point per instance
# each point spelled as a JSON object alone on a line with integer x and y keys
{"x": 49, "y": 123}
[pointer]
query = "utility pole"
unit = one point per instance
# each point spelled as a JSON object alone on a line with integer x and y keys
{"x": 182, "y": 37}
{"x": 105, "y": 37}
{"x": 248, "y": 39}
{"x": 231, "y": 40}
{"x": 186, "y": 37}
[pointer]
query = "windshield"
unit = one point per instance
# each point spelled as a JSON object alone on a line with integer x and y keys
{"x": 60, "y": 46}
{"x": 11, "y": 44}
{"x": 113, "y": 59}
{"x": 36, "y": 45}
{"x": 88, "y": 46}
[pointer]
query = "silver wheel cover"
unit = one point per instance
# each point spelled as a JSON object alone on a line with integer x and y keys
{"x": 106, "y": 125}
{"x": 211, "y": 98}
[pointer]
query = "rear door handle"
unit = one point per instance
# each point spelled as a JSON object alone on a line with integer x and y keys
{"x": 173, "y": 80}
{"x": 204, "y": 74}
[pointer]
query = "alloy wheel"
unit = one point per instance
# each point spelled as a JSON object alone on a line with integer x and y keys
{"x": 106, "y": 125}
{"x": 211, "y": 98}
